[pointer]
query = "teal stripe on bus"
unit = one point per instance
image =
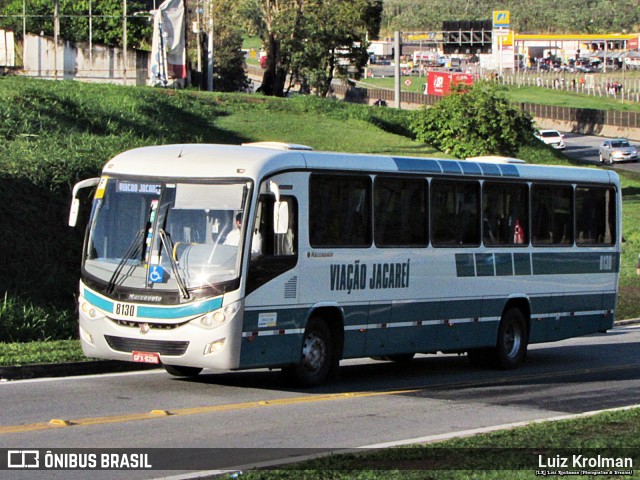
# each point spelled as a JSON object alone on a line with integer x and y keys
{"x": 98, "y": 301}
{"x": 538, "y": 263}
{"x": 148, "y": 311}
{"x": 425, "y": 310}
{"x": 188, "y": 310}
{"x": 424, "y": 326}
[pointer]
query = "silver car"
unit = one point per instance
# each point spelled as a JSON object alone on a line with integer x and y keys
{"x": 617, "y": 150}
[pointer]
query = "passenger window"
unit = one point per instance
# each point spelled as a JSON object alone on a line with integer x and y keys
{"x": 400, "y": 212}
{"x": 505, "y": 215}
{"x": 455, "y": 208}
{"x": 595, "y": 216}
{"x": 339, "y": 211}
{"x": 552, "y": 215}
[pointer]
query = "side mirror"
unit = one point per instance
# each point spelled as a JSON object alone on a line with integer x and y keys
{"x": 280, "y": 218}
{"x": 73, "y": 212}
{"x": 75, "y": 202}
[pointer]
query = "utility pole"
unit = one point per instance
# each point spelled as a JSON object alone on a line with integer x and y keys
{"x": 90, "y": 37}
{"x": 124, "y": 42}
{"x": 396, "y": 59}
{"x": 56, "y": 34}
{"x": 24, "y": 28}
{"x": 210, "y": 49}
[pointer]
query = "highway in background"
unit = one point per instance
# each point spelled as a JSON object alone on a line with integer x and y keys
{"x": 584, "y": 148}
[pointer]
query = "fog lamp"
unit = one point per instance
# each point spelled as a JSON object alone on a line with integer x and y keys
{"x": 86, "y": 336}
{"x": 214, "y": 347}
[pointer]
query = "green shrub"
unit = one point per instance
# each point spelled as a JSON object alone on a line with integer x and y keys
{"x": 472, "y": 121}
{"x": 22, "y": 321}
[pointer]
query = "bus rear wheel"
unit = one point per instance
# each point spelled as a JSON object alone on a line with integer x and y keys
{"x": 317, "y": 356}
{"x": 180, "y": 371}
{"x": 511, "y": 349}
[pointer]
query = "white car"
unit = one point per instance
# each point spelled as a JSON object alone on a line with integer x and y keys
{"x": 551, "y": 137}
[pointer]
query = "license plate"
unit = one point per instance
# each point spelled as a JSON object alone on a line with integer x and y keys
{"x": 145, "y": 357}
{"x": 127, "y": 310}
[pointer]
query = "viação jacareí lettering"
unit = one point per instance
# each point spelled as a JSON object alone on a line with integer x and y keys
{"x": 361, "y": 276}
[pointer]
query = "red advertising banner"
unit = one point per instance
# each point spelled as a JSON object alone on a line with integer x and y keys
{"x": 440, "y": 83}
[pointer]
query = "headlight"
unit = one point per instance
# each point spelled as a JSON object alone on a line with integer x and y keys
{"x": 89, "y": 309}
{"x": 217, "y": 317}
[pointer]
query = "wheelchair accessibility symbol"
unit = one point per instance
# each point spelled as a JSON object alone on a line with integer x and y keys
{"x": 156, "y": 274}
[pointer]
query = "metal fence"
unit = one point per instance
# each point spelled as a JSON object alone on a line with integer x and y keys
{"x": 80, "y": 40}
{"x": 582, "y": 119}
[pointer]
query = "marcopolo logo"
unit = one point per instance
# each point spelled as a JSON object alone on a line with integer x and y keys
{"x": 23, "y": 459}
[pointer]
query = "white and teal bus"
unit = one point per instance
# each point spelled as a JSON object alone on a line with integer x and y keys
{"x": 275, "y": 255}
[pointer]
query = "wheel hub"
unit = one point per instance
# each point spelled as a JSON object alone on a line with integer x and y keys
{"x": 313, "y": 353}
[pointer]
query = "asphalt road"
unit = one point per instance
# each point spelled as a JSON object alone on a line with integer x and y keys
{"x": 584, "y": 148}
{"x": 371, "y": 403}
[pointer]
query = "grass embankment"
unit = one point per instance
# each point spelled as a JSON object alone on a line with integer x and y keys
{"x": 55, "y": 133}
{"x": 506, "y": 454}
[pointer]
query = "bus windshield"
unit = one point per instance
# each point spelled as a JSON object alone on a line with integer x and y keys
{"x": 165, "y": 236}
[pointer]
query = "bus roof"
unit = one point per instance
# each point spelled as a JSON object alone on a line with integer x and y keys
{"x": 229, "y": 161}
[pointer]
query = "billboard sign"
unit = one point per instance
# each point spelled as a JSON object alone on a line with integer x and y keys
{"x": 501, "y": 18}
{"x": 440, "y": 83}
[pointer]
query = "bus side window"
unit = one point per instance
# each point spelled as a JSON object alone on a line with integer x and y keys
{"x": 552, "y": 215}
{"x": 400, "y": 212}
{"x": 505, "y": 214}
{"x": 455, "y": 216}
{"x": 339, "y": 211}
{"x": 271, "y": 243}
{"x": 595, "y": 216}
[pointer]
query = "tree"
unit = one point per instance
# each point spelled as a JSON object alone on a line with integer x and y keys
{"x": 228, "y": 71}
{"x": 335, "y": 42}
{"x": 281, "y": 37}
{"x": 315, "y": 40}
{"x": 472, "y": 121}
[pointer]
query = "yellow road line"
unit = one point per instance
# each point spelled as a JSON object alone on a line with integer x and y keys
{"x": 155, "y": 414}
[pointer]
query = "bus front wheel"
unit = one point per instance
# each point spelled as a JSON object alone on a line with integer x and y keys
{"x": 316, "y": 357}
{"x": 180, "y": 371}
{"x": 511, "y": 345}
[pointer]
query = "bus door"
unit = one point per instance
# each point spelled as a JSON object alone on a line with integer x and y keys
{"x": 271, "y": 312}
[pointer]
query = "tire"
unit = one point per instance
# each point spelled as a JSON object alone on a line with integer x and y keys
{"x": 511, "y": 348}
{"x": 511, "y": 344}
{"x": 317, "y": 355}
{"x": 180, "y": 371}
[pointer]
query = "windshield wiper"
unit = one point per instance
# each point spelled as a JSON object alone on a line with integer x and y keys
{"x": 135, "y": 248}
{"x": 167, "y": 245}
